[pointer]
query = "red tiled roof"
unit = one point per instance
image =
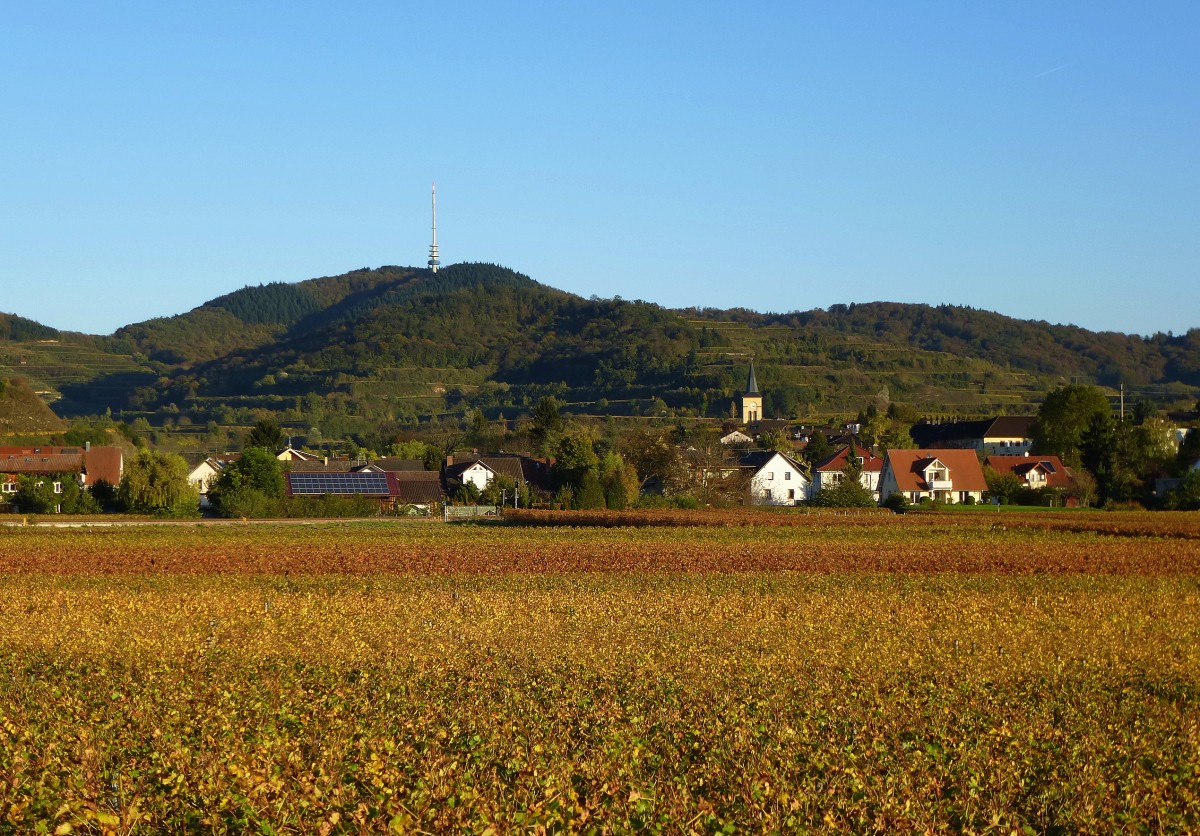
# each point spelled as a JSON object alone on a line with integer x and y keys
{"x": 1058, "y": 475}
{"x": 103, "y": 463}
{"x": 908, "y": 466}
{"x": 837, "y": 462}
{"x": 44, "y": 463}
{"x": 36, "y": 450}
{"x": 97, "y": 462}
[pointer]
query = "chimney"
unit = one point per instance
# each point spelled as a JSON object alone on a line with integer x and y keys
{"x": 87, "y": 446}
{"x": 450, "y": 460}
{"x": 325, "y": 460}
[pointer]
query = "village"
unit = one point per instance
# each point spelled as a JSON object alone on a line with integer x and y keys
{"x": 753, "y": 461}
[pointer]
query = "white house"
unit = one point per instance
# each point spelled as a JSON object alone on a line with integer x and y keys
{"x": 777, "y": 479}
{"x": 952, "y": 476}
{"x": 474, "y": 472}
{"x": 829, "y": 473}
{"x": 205, "y": 474}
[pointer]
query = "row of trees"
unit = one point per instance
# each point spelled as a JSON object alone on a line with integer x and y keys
{"x": 1120, "y": 457}
{"x": 588, "y": 473}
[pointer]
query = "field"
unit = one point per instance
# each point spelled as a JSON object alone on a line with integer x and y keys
{"x": 752, "y": 673}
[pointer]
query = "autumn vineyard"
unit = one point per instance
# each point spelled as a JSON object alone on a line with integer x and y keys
{"x": 666, "y": 672}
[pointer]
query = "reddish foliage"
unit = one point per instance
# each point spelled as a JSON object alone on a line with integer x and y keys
{"x": 801, "y": 543}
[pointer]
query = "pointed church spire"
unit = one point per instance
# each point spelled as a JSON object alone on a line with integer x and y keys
{"x": 752, "y": 400}
{"x": 752, "y": 382}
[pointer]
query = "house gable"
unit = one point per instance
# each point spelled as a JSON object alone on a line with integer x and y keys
{"x": 777, "y": 479}
{"x": 947, "y": 475}
{"x": 828, "y": 472}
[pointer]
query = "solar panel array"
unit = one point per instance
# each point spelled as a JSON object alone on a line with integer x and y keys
{"x": 338, "y": 483}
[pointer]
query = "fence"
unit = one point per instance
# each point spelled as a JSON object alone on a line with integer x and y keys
{"x": 460, "y": 511}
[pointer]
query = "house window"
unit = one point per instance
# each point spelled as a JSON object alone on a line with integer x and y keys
{"x": 792, "y": 494}
{"x": 771, "y": 475}
{"x": 58, "y": 487}
{"x": 787, "y": 476}
{"x": 9, "y": 487}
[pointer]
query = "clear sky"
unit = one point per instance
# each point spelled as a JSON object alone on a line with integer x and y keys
{"x": 1040, "y": 159}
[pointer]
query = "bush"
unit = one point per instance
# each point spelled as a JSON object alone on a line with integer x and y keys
{"x": 246, "y": 502}
{"x": 329, "y": 506}
{"x": 849, "y": 493}
{"x": 1187, "y": 496}
{"x": 896, "y": 502}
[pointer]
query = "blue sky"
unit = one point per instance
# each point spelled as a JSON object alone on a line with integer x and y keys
{"x": 1037, "y": 159}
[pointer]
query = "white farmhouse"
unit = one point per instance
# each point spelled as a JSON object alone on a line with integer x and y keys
{"x": 829, "y": 473}
{"x": 777, "y": 479}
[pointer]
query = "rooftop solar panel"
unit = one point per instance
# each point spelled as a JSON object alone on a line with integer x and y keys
{"x": 309, "y": 484}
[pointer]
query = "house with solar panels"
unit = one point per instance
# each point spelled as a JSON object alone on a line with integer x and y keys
{"x": 391, "y": 489}
{"x": 1039, "y": 473}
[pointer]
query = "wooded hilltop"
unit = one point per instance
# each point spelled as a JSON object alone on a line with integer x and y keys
{"x": 396, "y": 346}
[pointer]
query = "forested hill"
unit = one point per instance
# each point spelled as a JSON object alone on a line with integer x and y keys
{"x": 1107, "y": 358}
{"x": 252, "y": 316}
{"x": 399, "y": 342}
{"x": 18, "y": 329}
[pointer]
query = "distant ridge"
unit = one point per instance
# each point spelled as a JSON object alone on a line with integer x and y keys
{"x": 18, "y": 328}
{"x": 396, "y": 343}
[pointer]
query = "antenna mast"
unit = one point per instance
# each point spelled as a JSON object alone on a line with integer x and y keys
{"x": 433, "y": 252}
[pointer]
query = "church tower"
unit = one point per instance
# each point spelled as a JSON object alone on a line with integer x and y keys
{"x": 752, "y": 402}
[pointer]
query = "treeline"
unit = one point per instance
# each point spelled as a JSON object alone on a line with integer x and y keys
{"x": 1062, "y": 350}
{"x": 276, "y": 303}
{"x": 18, "y": 328}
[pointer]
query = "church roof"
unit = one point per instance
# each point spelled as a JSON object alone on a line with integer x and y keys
{"x": 752, "y": 382}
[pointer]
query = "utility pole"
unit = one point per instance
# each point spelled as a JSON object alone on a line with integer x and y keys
{"x": 1122, "y": 401}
